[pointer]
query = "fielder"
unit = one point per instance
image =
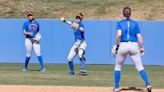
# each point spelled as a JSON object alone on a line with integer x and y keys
{"x": 31, "y": 31}
{"x": 79, "y": 45}
{"x": 128, "y": 34}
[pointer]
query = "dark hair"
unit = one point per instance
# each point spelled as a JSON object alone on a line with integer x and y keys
{"x": 29, "y": 14}
{"x": 127, "y": 14}
{"x": 126, "y": 8}
{"x": 80, "y": 16}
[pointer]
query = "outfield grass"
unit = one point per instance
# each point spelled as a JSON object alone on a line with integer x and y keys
{"x": 57, "y": 74}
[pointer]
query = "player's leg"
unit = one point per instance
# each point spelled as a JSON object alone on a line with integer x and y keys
{"x": 138, "y": 63}
{"x": 120, "y": 58}
{"x": 136, "y": 57}
{"x": 28, "y": 45}
{"x": 71, "y": 56}
{"x": 39, "y": 56}
{"x": 81, "y": 52}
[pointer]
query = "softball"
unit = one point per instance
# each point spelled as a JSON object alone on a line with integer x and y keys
{"x": 62, "y": 19}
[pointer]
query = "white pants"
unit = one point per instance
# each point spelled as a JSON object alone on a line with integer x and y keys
{"x": 78, "y": 48}
{"x": 132, "y": 49}
{"x": 29, "y": 46}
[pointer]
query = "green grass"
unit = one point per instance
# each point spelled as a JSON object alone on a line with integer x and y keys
{"x": 57, "y": 74}
{"x": 92, "y": 9}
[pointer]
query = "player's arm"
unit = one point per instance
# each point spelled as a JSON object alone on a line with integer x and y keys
{"x": 74, "y": 25}
{"x": 27, "y": 33}
{"x": 118, "y": 37}
{"x": 139, "y": 36}
{"x": 65, "y": 21}
{"x": 68, "y": 22}
{"x": 81, "y": 28}
{"x": 116, "y": 46}
{"x": 119, "y": 34}
{"x": 24, "y": 30}
{"x": 38, "y": 29}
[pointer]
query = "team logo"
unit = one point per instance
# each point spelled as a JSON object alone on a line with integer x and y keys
{"x": 33, "y": 27}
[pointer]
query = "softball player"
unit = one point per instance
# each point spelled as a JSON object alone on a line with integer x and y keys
{"x": 31, "y": 31}
{"x": 128, "y": 34}
{"x": 79, "y": 45}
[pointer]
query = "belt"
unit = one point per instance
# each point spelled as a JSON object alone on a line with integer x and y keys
{"x": 128, "y": 41}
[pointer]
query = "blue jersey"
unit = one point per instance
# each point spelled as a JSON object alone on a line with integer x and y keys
{"x": 129, "y": 29}
{"x": 79, "y": 35}
{"x": 31, "y": 27}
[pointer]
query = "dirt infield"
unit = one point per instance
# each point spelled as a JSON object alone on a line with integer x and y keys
{"x": 23, "y": 88}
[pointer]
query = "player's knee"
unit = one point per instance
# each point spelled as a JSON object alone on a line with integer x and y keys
{"x": 118, "y": 67}
{"x": 139, "y": 67}
{"x": 81, "y": 52}
{"x": 82, "y": 59}
{"x": 70, "y": 61}
{"x": 69, "y": 58}
{"x": 38, "y": 54}
{"x": 28, "y": 55}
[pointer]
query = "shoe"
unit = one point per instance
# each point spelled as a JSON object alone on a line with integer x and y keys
{"x": 83, "y": 71}
{"x": 43, "y": 70}
{"x": 148, "y": 88}
{"x": 72, "y": 73}
{"x": 116, "y": 90}
{"x": 25, "y": 69}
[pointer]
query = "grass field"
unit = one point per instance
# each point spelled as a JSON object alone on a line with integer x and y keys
{"x": 92, "y": 9}
{"x": 57, "y": 75}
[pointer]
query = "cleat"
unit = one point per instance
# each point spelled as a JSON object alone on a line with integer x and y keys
{"x": 25, "y": 70}
{"x": 43, "y": 70}
{"x": 148, "y": 88}
{"x": 83, "y": 71}
{"x": 71, "y": 73}
{"x": 116, "y": 90}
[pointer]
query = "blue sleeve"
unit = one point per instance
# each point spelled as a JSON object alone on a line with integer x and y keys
{"x": 38, "y": 28}
{"x": 81, "y": 25}
{"x": 137, "y": 29}
{"x": 118, "y": 26}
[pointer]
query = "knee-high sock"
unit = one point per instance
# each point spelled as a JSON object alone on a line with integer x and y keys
{"x": 41, "y": 62}
{"x": 83, "y": 65}
{"x": 117, "y": 75}
{"x": 71, "y": 66}
{"x": 144, "y": 77}
{"x": 26, "y": 62}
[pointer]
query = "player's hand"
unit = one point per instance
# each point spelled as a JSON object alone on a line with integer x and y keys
{"x": 38, "y": 37}
{"x": 142, "y": 51}
{"x": 62, "y": 19}
{"x": 114, "y": 50}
